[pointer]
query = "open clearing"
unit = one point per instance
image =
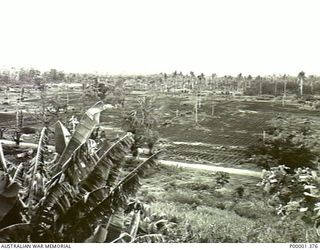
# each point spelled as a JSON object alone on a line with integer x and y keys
{"x": 225, "y": 125}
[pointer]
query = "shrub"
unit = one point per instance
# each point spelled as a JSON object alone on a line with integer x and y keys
{"x": 183, "y": 198}
{"x": 294, "y": 194}
{"x": 222, "y": 178}
{"x": 251, "y": 210}
{"x": 288, "y": 142}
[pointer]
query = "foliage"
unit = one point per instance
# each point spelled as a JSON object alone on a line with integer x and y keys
{"x": 288, "y": 142}
{"x": 198, "y": 213}
{"x": 18, "y": 128}
{"x": 222, "y": 178}
{"x": 250, "y": 210}
{"x": 185, "y": 224}
{"x": 142, "y": 123}
{"x": 97, "y": 90}
{"x": 292, "y": 194}
{"x": 54, "y": 76}
{"x": 183, "y": 198}
{"x": 111, "y": 91}
{"x": 80, "y": 196}
{"x": 8, "y": 194}
{"x": 48, "y": 110}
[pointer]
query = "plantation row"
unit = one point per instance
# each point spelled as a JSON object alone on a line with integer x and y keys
{"x": 206, "y": 154}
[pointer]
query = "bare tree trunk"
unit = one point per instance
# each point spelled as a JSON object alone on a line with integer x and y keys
{"x": 260, "y": 88}
{"x": 284, "y": 92}
{"x": 196, "y": 110}
{"x": 301, "y": 86}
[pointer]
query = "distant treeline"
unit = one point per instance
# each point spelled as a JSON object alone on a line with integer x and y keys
{"x": 277, "y": 85}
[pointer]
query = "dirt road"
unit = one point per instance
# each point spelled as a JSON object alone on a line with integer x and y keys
{"x": 207, "y": 167}
{"x": 210, "y": 167}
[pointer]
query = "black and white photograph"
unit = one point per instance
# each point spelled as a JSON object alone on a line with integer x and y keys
{"x": 159, "y": 121}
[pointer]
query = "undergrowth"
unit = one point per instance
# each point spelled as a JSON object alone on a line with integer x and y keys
{"x": 198, "y": 210}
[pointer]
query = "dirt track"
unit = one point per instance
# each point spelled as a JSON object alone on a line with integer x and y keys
{"x": 207, "y": 167}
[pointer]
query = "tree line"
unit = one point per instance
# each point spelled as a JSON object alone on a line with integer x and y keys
{"x": 277, "y": 85}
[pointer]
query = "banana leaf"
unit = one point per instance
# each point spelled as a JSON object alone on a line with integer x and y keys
{"x": 83, "y": 131}
{"x": 3, "y": 164}
{"x": 8, "y": 195}
{"x": 62, "y": 137}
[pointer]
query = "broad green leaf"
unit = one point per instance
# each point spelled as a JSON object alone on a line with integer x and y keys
{"x": 62, "y": 137}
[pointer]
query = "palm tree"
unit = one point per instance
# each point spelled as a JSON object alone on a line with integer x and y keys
{"x": 239, "y": 81}
{"x": 275, "y": 80}
{"x": 312, "y": 79}
{"x": 192, "y": 76}
{"x": 259, "y": 79}
{"x": 79, "y": 196}
{"x": 284, "y": 89}
{"x": 213, "y": 77}
{"x": 301, "y": 78}
{"x": 248, "y": 83}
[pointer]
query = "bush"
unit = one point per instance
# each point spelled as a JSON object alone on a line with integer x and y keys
{"x": 183, "y": 198}
{"x": 288, "y": 142}
{"x": 250, "y": 210}
{"x": 294, "y": 194}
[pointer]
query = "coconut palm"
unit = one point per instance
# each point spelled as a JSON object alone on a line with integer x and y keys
{"x": 239, "y": 81}
{"x": 285, "y": 80}
{"x": 312, "y": 80}
{"x": 259, "y": 80}
{"x": 301, "y": 78}
{"x": 213, "y": 78}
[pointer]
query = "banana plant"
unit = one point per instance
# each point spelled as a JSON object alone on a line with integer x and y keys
{"x": 78, "y": 197}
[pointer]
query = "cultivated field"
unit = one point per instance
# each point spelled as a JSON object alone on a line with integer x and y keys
{"x": 225, "y": 125}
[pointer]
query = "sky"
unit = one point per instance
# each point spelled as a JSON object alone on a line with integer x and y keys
{"x": 226, "y": 37}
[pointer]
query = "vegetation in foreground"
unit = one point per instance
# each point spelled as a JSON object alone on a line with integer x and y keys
{"x": 193, "y": 206}
{"x": 82, "y": 195}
